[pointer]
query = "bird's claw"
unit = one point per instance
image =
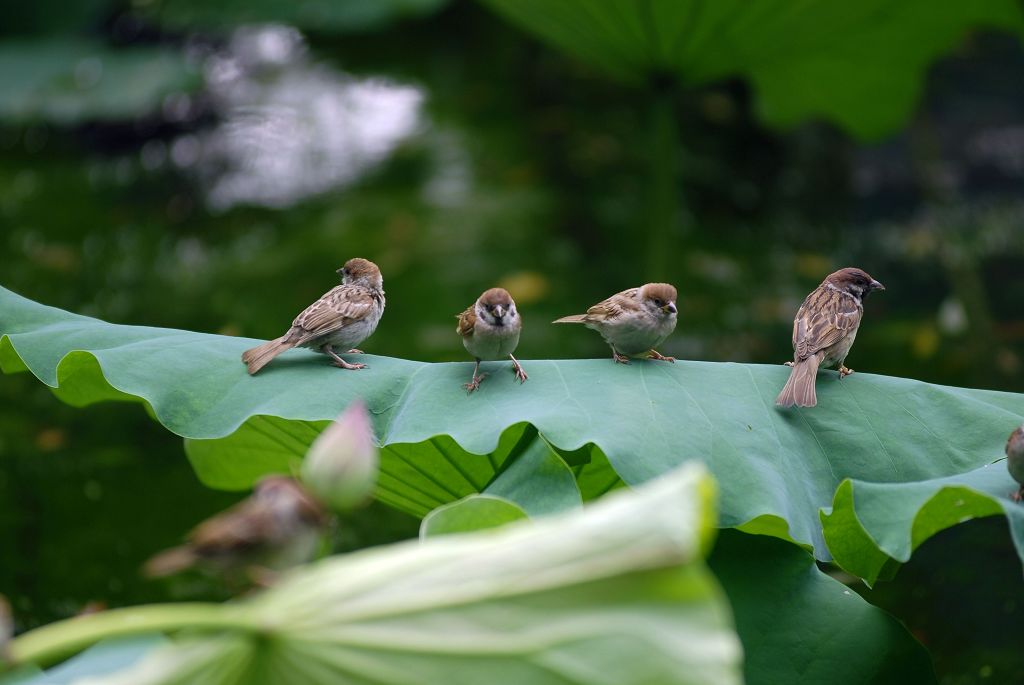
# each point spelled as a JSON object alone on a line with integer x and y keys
{"x": 475, "y": 383}
{"x": 354, "y": 351}
{"x": 619, "y": 358}
{"x": 520, "y": 374}
{"x": 1019, "y": 495}
{"x": 844, "y": 371}
{"x": 789, "y": 364}
{"x": 341, "y": 363}
{"x": 654, "y": 354}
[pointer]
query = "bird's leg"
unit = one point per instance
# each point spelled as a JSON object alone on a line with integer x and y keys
{"x": 518, "y": 368}
{"x": 844, "y": 372}
{"x": 1019, "y": 495}
{"x": 654, "y": 354}
{"x": 338, "y": 361}
{"x": 619, "y": 358}
{"x": 475, "y": 383}
{"x": 354, "y": 351}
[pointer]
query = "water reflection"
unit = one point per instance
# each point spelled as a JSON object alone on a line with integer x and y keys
{"x": 288, "y": 128}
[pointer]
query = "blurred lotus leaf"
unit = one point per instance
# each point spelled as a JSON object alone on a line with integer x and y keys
{"x": 858, "y": 64}
{"x": 68, "y": 81}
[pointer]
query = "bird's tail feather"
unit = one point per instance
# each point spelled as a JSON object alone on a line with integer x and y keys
{"x": 574, "y": 318}
{"x": 260, "y": 356}
{"x": 799, "y": 389}
{"x": 169, "y": 562}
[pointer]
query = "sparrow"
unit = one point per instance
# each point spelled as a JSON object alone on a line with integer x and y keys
{"x": 634, "y": 321}
{"x": 278, "y": 526}
{"x": 823, "y": 332}
{"x": 1015, "y": 461}
{"x": 344, "y": 316}
{"x": 490, "y": 331}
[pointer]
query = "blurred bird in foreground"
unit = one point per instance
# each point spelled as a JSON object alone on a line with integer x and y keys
{"x": 278, "y": 526}
{"x": 490, "y": 331}
{"x": 6, "y": 630}
{"x": 1015, "y": 461}
{"x": 633, "y": 322}
{"x": 344, "y": 316}
{"x": 823, "y": 332}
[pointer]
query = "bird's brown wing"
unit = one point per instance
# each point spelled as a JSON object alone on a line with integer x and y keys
{"x": 239, "y": 527}
{"x": 467, "y": 321}
{"x": 614, "y": 306}
{"x": 825, "y": 317}
{"x": 337, "y": 308}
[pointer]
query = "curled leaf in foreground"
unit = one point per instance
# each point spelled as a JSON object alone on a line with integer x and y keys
{"x": 534, "y": 601}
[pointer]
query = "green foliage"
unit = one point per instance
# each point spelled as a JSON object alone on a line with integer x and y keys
{"x": 69, "y": 81}
{"x": 858, "y": 64}
{"x": 527, "y": 603}
{"x": 800, "y": 626}
{"x": 476, "y": 512}
{"x": 873, "y": 525}
{"x": 777, "y": 469}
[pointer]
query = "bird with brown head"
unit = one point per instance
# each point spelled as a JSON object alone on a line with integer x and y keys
{"x": 344, "y": 316}
{"x": 823, "y": 332}
{"x": 634, "y": 321}
{"x": 490, "y": 331}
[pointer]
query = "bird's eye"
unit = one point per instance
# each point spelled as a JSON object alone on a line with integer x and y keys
{"x": 658, "y": 302}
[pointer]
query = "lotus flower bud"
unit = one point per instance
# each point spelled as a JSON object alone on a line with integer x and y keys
{"x": 341, "y": 465}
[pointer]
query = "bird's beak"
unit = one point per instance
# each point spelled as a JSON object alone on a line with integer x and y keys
{"x": 670, "y": 308}
{"x": 340, "y": 270}
{"x": 499, "y": 311}
{"x": 875, "y": 285}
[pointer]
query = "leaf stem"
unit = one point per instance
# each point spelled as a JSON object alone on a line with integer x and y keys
{"x": 55, "y": 641}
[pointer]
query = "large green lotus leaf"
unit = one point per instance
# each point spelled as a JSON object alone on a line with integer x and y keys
{"x": 872, "y": 526}
{"x": 67, "y": 81}
{"x": 614, "y": 594}
{"x": 799, "y": 625}
{"x": 776, "y": 468}
{"x": 335, "y": 16}
{"x": 860, "y": 64}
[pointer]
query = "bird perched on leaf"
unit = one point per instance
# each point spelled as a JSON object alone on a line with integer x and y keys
{"x": 344, "y": 316}
{"x": 823, "y": 332}
{"x": 1015, "y": 460}
{"x": 278, "y": 526}
{"x": 490, "y": 331}
{"x": 633, "y": 322}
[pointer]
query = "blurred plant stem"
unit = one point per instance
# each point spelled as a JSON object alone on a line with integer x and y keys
{"x": 662, "y": 215}
{"x": 55, "y": 641}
